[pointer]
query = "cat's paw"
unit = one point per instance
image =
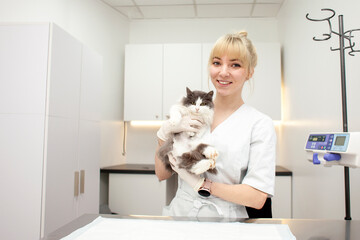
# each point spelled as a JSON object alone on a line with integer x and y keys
{"x": 212, "y": 163}
{"x": 211, "y": 153}
{"x": 201, "y": 166}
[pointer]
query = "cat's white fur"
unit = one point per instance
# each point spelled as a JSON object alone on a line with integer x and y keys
{"x": 188, "y": 141}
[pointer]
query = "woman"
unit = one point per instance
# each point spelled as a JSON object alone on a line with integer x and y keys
{"x": 244, "y": 138}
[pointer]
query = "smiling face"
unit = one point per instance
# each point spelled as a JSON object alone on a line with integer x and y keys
{"x": 232, "y": 61}
{"x": 228, "y": 75}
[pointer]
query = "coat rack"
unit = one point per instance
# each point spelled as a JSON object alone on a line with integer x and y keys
{"x": 350, "y": 44}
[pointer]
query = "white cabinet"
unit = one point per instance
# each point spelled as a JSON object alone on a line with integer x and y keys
{"x": 143, "y": 82}
{"x": 282, "y": 200}
{"x": 156, "y": 77}
{"x": 136, "y": 194}
{"x": 182, "y": 68}
{"x": 50, "y": 128}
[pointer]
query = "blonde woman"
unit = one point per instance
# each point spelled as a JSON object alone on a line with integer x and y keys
{"x": 244, "y": 137}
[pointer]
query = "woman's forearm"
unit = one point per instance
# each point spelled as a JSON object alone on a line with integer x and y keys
{"x": 160, "y": 170}
{"x": 239, "y": 193}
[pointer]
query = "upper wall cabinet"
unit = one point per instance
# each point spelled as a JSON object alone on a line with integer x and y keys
{"x": 182, "y": 68}
{"x": 143, "y": 82}
{"x": 156, "y": 76}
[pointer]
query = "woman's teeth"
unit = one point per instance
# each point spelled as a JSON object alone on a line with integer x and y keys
{"x": 224, "y": 83}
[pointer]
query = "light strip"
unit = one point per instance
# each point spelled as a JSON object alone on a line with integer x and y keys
{"x": 146, "y": 123}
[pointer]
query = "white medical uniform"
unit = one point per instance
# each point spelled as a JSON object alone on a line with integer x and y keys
{"x": 246, "y": 142}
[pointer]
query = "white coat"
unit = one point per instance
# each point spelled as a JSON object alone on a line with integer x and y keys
{"x": 246, "y": 142}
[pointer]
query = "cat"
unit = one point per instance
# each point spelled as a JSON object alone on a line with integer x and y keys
{"x": 187, "y": 147}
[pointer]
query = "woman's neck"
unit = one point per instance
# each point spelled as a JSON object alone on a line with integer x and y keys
{"x": 228, "y": 103}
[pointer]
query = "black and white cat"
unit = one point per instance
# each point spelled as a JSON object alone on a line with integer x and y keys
{"x": 188, "y": 147}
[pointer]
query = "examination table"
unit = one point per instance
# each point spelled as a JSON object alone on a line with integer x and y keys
{"x": 302, "y": 229}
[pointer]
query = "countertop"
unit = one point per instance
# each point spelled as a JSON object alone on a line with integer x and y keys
{"x": 150, "y": 169}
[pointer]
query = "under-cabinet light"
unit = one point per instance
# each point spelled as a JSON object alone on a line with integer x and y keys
{"x": 146, "y": 123}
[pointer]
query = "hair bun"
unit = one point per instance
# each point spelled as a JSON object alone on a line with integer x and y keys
{"x": 242, "y": 33}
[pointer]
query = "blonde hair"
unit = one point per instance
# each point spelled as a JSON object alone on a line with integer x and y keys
{"x": 236, "y": 46}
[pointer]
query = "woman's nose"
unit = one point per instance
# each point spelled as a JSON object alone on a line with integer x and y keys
{"x": 224, "y": 71}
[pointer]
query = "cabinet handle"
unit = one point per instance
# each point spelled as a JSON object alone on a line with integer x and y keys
{"x": 76, "y": 184}
{"x": 82, "y": 181}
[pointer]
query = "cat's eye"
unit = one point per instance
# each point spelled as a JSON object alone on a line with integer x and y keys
{"x": 202, "y": 104}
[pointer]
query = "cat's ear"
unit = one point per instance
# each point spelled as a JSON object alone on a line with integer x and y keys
{"x": 188, "y": 91}
{"x": 211, "y": 94}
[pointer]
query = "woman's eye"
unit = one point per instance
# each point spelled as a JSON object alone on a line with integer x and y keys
{"x": 235, "y": 65}
{"x": 216, "y": 63}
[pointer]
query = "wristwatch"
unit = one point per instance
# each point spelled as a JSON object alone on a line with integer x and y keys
{"x": 205, "y": 189}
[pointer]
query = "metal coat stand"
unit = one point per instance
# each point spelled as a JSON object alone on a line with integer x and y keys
{"x": 344, "y": 36}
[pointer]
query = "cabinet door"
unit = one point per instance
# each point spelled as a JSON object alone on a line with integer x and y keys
{"x": 21, "y": 158}
{"x": 23, "y": 71}
{"x": 143, "y": 82}
{"x": 65, "y": 72}
{"x": 182, "y": 68}
{"x": 282, "y": 200}
{"x": 140, "y": 194}
{"x": 60, "y": 203}
{"x": 89, "y": 161}
{"x": 23, "y": 68}
{"x": 63, "y": 129}
{"x": 91, "y": 85}
{"x": 89, "y": 132}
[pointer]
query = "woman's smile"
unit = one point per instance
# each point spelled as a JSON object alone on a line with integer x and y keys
{"x": 224, "y": 83}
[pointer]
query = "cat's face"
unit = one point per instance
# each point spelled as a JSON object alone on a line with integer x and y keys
{"x": 199, "y": 102}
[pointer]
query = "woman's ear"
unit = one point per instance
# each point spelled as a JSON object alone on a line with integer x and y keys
{"x": 250, "y": 74}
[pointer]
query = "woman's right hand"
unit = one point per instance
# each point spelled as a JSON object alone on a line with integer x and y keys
{"x": 186, "y": 124}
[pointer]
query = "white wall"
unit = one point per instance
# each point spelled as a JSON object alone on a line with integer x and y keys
{"x": 185, "y": 31}
{"x": 200, "y": 30}
{"x": 312, "y": 102}
{"x": 100, "y": 28}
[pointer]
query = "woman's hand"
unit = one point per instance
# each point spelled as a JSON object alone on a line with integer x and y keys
{"x": 185, "y": 124}
{"x": 195, "y": 181}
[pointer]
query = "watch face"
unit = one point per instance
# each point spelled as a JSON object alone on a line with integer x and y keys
{"x": 204, "y": 193}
